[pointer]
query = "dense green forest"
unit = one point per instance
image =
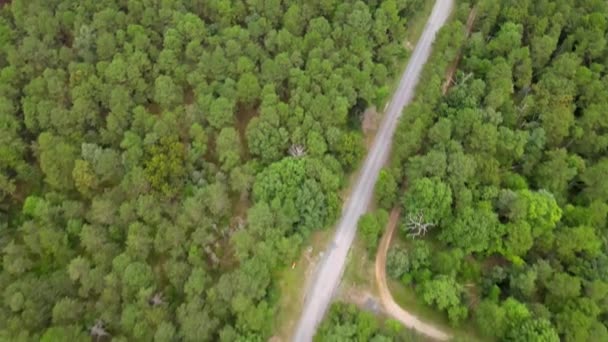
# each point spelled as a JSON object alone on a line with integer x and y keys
{"x": 160, "y": 161}
{"x": 506, "y": 198}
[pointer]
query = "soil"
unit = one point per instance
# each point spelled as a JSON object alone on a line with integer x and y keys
{"x": 390, "y": 306}
{"x": 449, "y": 75}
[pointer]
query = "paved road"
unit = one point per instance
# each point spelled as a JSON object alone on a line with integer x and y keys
{"x": 330, "y": 269}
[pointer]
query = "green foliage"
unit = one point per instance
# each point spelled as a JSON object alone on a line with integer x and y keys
{"x": 134, "y": 138}
{"x": 533, "y": 330}
{"x": 386, "y": 189}
{"x": 430, "y": 197}
{"x": 165, "y": 165}
{"x": 474, "y": 230}
{"x": 228, "y": 147}
{"x": 397, "y": 263}
{"x": 445, "y": 294}
{"x": 130, "y": 136}
{"x": 350, "y": 149}
{"x": 346, "y": 322}
{"x": 542, "y": 212}
{"x": 519, "y": 143}
{"x": 301, "y": 197}
{"x": 247, "y": 88}
{"x": 220, "y": 113}
{"x": 370, "y": 227}
{"x": 166, "y": 92}
{"x": 56, "y": 161}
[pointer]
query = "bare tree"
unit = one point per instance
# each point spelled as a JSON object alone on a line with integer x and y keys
{"x": 214, "y": 259}
{"x": 157, "y": 299}
{"x": 297, "y": 150}
{"x": 98, "y": 331}
{"x": 465, "y": 78}
{"x": 417, "y": 226}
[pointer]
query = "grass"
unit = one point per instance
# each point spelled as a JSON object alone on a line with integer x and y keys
{"x": 414, "y": 29}
{"x": 292, "y": 283}
{"x": 416, "y": 25}
{"x": 360, "y": 276}
{"x": 360, "y": 267}
{"x": 360, "y": 272}
{"x": 407, "y": 298}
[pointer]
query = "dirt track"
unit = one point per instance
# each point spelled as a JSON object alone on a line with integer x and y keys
{"x": 449, "y": 75}
{"x": 392, "y": 308}
{"x": 329, "y": 271}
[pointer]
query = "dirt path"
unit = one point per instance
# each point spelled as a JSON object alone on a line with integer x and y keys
{"x": 329, "y": 271}
{"x": 449, "y": 75}
{"x": 392, "y": 308}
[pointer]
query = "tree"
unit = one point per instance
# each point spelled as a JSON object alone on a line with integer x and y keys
{"x": 533, "y": 330}
{"x": 371, "y": 225}
{"x": 293, "y": 20}
{"x": 592, "y": 177}
{"x": 166, "y": 92}
{"x": 397, "y": 262}
{"x": 302, "y": 200}
{"x": 125, "y": 178}
{"x": 64, "y": 333}
{"x": 350, "y": 149}
{"x": 266, "y": 138}
{"x": 248, "y": 88}
{"x": 556, "y": 173}
{"x": 139, "y": 241}
{"x": 570, "y": 242}
{"x": 490, "y": 319}
{"x": 84, "y": 177}
{"x": 576, "y": 320}
{"x": 417, "y": 226}
{"x": 165, "y": 167}
{"x": 447, "y": 262}
{"x": 137, "y": 276}
{"x": 346, "y": 322}
{"x": 543, "y": 213}
{"x": 228, "y": 147}
{"x": 524, "y": 283}
{"x": 564, "y": 286}
{"x": 220, "y": 113}
{"x": 445, "y": 293}
{"x": 56, "y": 161}
{"x": 386, "y": 189}
{"x": 506, "y": 40}
{"x": 431, "y": 197}
{"x": 519, "y": 238}
{"x": 194, "y": 321}
{"x": 164, "y": 332}
{"x": 475, "y": 230}
{"x": 66, "y": 311}
{"x": 98, "y": 330}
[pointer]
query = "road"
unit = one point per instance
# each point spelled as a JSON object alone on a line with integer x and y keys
{"x": 390, "y": 306}
{"x": 330, "y": 269}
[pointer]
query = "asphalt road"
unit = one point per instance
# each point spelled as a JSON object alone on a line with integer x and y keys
{"x": 330, "y": 269}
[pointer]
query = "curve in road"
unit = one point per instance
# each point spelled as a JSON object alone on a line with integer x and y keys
{"x": 330, "y": 270}
{"x": 390, "y": 306}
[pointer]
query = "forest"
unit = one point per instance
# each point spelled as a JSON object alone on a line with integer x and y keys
{"x": 506, "y": 198}
{"x": 160, "y": 161}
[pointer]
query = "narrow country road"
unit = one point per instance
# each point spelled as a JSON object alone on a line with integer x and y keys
{"x": 330, "y": 269}
{"x": 393, "y": 309}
